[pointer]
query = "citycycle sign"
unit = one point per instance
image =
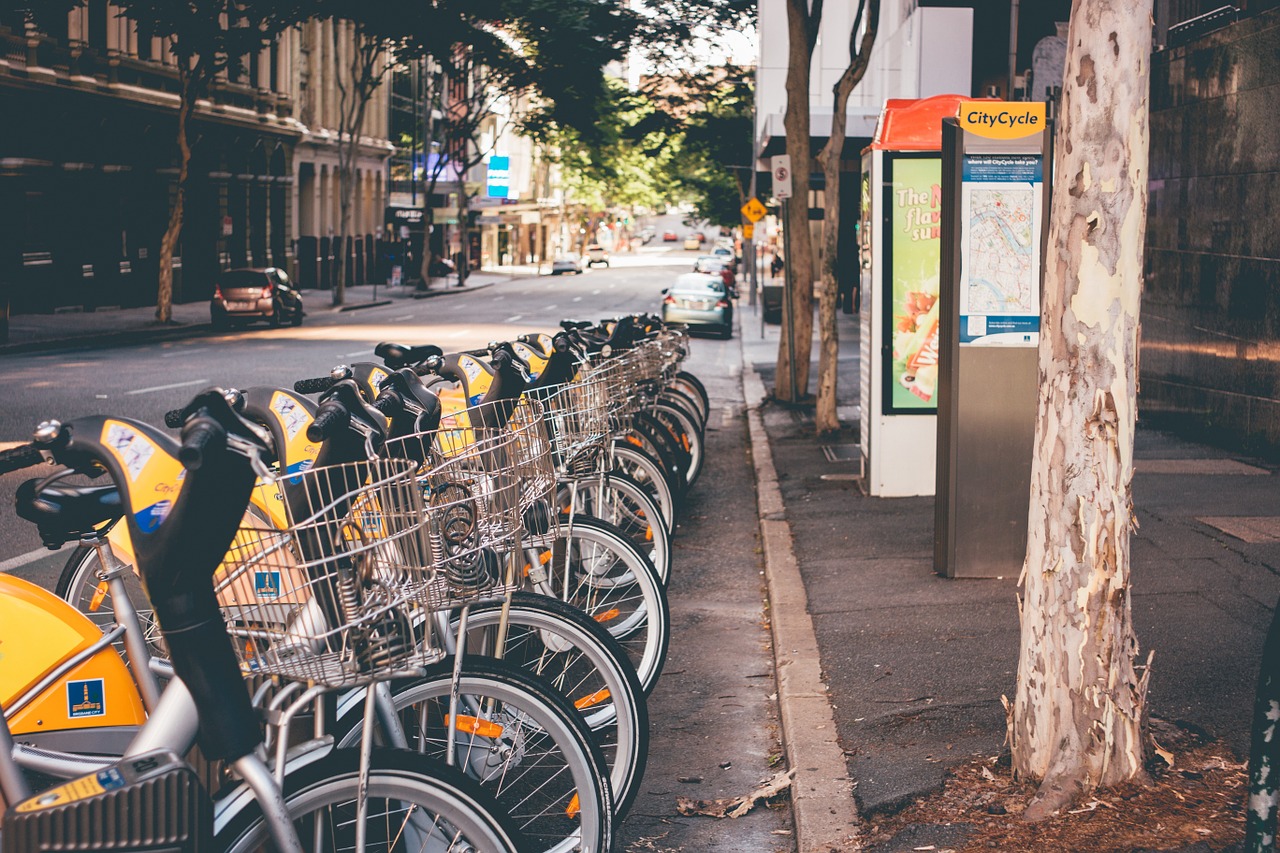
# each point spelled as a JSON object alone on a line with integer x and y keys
{"x": 1001, "y": 119}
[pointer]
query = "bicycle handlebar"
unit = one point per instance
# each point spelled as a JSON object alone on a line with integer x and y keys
{"x": 202, "y": 436}
{"x": 331, "y": 418}
{"x": 16, "y": 458}
{"x": 314, "y": 386}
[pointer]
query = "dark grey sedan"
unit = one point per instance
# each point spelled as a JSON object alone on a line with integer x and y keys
{"x": 700, "y": 301}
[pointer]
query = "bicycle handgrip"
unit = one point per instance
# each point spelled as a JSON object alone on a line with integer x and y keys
{"x": 328, "y": 421}
{"x": 174, "y": 419}
{"x": 389, "y": 404}
{"x": 17, "y": 458}
{"x": 203, "y": 438}
{"x": 314, "y": 386}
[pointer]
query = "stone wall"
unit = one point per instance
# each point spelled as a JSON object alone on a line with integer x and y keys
{"x": 1210, "y": 357}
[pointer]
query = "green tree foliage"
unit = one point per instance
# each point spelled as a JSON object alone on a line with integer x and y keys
{"x": 711, "y": 161}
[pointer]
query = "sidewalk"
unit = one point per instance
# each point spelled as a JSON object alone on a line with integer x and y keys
{"x": 915, "y": 664}
{"x": 31, "y": 332}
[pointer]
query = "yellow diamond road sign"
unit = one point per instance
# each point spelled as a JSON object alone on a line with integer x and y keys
{"x": 754, "y": 210}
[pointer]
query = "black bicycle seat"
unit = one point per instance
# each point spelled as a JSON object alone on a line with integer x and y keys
{"x": 397, "y": 356}
{"x": 570, "y": 325}
{"x": 63, "y": 512}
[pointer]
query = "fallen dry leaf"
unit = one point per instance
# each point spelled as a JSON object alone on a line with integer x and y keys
{"x": 736, "y": 806}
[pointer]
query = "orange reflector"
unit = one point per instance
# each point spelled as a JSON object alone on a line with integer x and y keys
{"x": 594, "y": 699}
{"x": 606, "y": 616}
{"x": 684, "y": 438}
{"x": 544, "y": 557}
{"x": 575, "y": 806}
{"x": 637, "y": 442}
{"x": 527, "y": 568}
{"x": 98, "y": 595}
{"x": 476, "y": 726}
{"x": 648, "y": 533}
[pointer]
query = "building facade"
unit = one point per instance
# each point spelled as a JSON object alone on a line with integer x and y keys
{"x": 89, "y": 172}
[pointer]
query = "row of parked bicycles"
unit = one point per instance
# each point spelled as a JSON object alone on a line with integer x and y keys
{"x": 417, "y": 604}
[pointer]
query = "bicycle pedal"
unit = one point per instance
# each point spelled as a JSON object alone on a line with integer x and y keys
{"x": 151, "y": 803}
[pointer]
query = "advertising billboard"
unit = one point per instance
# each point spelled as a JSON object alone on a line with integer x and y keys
{"x": 912, "y": 229}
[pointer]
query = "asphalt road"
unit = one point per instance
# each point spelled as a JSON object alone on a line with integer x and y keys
{"x": 714, "y": 731}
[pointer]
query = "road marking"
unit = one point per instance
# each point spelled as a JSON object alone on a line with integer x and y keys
{"x": 403, "y": 317}
{"x": 498, "y": 298}
{"x": 513, "y": 318}
{"x": 101, "y": 397}
{"x": 459, "y": 306}
{"x": 29, "y": 557}
{"x": 577, "y": 299}
{"x": 548, "y": 307}
{"x": 356, "y": 353}
{"x": 169, "y": 387}
{"x": 595, "y": 292}
{"x": 183, "y": 352}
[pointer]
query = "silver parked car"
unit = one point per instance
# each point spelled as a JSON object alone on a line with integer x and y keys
{"x": 700, "y": 301}
{"x": 569, "y": 262}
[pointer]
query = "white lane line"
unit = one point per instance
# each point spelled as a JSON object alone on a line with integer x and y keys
{"x": 356, "y": 353}
{"x": 513, "y": 318}
{"x": 29, "y": 557}
{"x": 403, "y": 317}
{"x": 595, "y": 292}
{"x": 184, "y": 352}
{"x": 548, "y": 307}
{"x": 169, "y": 387}
{"x": 577, "y": 299}
{"x": 499, "y": 298}
{"x": 459, "y": 306}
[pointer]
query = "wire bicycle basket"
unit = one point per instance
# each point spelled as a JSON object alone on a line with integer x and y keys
{"x": 337, "y": 597}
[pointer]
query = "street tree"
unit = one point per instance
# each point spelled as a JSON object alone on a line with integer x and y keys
{"x": 1078, "y": 717}
{"x": 206, "y": 37}
{"x": 804, "y": 18}
{"x": 364, "y": 38}
{"x": 829, "y": 158}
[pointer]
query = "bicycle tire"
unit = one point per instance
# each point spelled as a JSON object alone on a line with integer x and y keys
{"x": 461, "y": 815}
{"x": 571, "y": 652}
{"x": 613, "y": 583}
{"x": 683, "y": 429}
{"x": 528, "y": 747}
{"x": 661, "y": 444}
{"x": 685, "y": 380}
{"x": 628, "y": 506}
{"x": 679, "y": 397}
{"x": 640, "y": 467}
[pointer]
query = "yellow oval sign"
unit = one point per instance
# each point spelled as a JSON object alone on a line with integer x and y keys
{"x": 1002, "y": 119}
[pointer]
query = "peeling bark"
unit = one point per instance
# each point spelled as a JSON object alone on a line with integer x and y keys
{"x": 1078, "y": 715}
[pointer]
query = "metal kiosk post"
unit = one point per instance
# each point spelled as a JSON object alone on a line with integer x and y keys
{"x": 994, "y": 215}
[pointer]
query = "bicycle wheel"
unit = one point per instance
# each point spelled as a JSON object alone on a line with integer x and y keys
{"x": 684, "y": 430}
{"x": 413, "y": 805}
{"x": 621, "y": 501}
{"x": 515, "y": 736}
{"x": 663, "y": 445}
{"x": 692, "y": 385}
{"x": 680, "y": 397}
{"x": 78, "y": 586}
{"x": 571, "y": 652}
{"x": 594, "y": 568}
{"x": 641, "y": 468}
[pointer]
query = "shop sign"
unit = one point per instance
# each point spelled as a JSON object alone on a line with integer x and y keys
{"x": 499, "y": 180}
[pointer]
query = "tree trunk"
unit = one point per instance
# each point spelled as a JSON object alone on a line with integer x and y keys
{"x": 164, "y": 290}
{"x": 796, "y": 122}
{"x": 1078, "y": 716}
{"x": 464, "y": 244}
{"x": 826, "y": 420}
{"x": 1264, "y": 754}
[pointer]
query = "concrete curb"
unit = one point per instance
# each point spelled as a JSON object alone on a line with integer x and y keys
{"x": 94, "y": 339}
{"x": 826, "y": 815}
{"x": 452, "y": 291}
{"x": 359, "y": 306}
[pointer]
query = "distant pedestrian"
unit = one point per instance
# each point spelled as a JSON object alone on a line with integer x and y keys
{"x": 775, "y": 267}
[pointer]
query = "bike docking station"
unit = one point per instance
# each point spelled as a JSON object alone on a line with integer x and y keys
{"x": 899, "y": 240}
{"x": 995, "y": 204}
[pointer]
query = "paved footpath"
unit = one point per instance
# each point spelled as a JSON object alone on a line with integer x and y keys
{"x": 912, "y": 666}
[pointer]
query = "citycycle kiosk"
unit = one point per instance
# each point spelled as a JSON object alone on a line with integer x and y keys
{"x": 995, "y": 167}
{"x": 899, "y": 239}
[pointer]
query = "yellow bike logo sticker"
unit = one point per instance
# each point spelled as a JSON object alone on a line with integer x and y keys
{"x": 150, "y": 470}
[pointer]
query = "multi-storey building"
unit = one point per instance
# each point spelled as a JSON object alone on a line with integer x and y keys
{"x": 89, "y": 162}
